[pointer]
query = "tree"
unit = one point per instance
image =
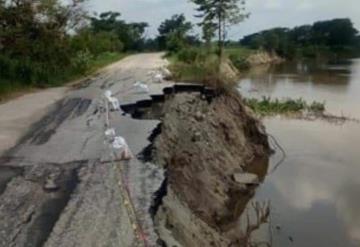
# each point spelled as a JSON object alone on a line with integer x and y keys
{"x": 220, "y": 14}
{"x": 130, "y": 34}
{"x": 335, "y": 35}
{"x": 174, "y": 33}
{"x": 34, "y": 36}
{"x": 337, "y": 32}
{"x": 208, "y": 33}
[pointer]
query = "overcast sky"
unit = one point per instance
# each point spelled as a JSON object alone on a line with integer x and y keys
{"x": 264, "y": 13}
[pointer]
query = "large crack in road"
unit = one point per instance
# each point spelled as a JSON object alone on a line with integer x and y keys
{"x": 56, "y": 189}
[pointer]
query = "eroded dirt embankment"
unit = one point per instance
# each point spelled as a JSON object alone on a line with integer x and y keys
{"x": 203, "y": 143}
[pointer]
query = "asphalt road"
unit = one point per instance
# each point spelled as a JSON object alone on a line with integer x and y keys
{"x": 57, "y": 186}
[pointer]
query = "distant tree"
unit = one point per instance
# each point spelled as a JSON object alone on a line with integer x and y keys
{"x": 174, "y": 33}
{"x": 302, "y": 35}
{"x": 220, "y": 14}
{"x": 337, "y": 32}
{"x": 130, "y": 34}
{"x": 335, "y": 36}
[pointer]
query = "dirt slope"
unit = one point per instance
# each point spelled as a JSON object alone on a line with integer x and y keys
{"x": 203, "y": 145}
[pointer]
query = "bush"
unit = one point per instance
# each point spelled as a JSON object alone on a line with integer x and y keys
{"x": 239, "y": 62}
{"x": 81, "y": 63}
{"x": 188, "y": 55}
{"x": 27, "y": 72}
{"x": 96, "y": 43}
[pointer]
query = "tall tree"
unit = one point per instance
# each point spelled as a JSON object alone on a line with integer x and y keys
{"x": 174, "y": 33}
{"x": 208, "y": 33}
{"x": 220, "y": 14}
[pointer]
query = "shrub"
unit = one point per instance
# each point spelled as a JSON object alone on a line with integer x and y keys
{"x": 96, "y": 43}
{"x": 188, "y": 55}
{"x": 82, "y": 61}
{"x": 239, "y": 62}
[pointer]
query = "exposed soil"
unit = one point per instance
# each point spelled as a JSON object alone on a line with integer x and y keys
{"x": 202, "y": 143}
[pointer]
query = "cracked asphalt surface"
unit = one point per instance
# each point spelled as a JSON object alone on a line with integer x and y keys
{"x": 56, "y": 186}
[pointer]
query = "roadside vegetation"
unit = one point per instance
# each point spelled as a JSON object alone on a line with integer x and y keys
{"x": 267, "y": 106}
{"x": 48, "y": 43}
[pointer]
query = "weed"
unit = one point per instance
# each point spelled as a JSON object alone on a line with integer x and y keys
{"x": 267, "y": 106}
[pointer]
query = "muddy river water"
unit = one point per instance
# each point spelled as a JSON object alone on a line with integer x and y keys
{"x": 315, "y": 193}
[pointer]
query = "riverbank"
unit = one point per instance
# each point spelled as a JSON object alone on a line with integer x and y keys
{"x": 203, "y": 196}
{"x": 206, "y": 186}
{"x": 199, "y": 65}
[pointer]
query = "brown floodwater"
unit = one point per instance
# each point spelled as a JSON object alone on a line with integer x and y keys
{"x": 315, "y": 193}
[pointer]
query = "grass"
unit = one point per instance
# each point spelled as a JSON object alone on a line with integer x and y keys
{"x": 238, "y": 56}
{"x": 267, "y": 106}
{"x": 241, "y": 52}
{"x": 200, "y": 65}
{"x": 200, "y": 70}
{"x": 106, "y": 59}
{"x": 97, "y": 63}
{"x": 10, "y": 89}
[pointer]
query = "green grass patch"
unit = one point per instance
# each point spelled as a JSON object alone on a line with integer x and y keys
{"x": 267, "y": 106}
{"x": 240, "y": 51}
{"x": 9, "y": 90}
{"x": 202, "y": 68}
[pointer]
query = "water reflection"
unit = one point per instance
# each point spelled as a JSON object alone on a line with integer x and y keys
{"x": 336, "y": 84}
{"x": 315, "y": 193}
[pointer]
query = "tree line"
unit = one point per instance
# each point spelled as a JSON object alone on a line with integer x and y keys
{"x": 335, "y": 36}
